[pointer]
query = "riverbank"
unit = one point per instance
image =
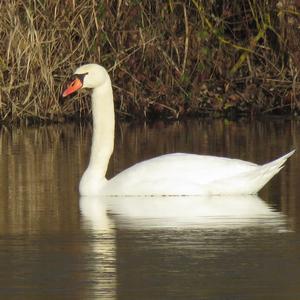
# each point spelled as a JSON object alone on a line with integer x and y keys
{"x": 166, "y": 60}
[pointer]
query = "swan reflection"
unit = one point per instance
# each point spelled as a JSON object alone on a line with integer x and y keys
{"x": 182, "y": 211}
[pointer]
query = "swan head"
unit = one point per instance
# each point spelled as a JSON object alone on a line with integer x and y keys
{"x": 88, "y": 76}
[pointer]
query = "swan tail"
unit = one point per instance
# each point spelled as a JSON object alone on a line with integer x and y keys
{"x": 269, "y": 170}
{"x": 279, "y": 162}
{"x": 252, "y": 181}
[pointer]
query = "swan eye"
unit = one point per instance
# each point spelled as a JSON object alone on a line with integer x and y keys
{"x": 81, "y": 76}
{"x": 74, "y": 78}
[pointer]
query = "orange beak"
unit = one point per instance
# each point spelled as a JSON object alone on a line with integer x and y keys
{"x": 74, "y": 86}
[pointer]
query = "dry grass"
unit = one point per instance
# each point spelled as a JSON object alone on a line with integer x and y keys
{"x": 165, "y": 57}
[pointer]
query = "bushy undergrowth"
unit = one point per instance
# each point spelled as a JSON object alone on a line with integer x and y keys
{"x": 166, "y": 58}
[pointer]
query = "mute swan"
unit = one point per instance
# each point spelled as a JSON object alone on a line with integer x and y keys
{"x": 170, "y": 174}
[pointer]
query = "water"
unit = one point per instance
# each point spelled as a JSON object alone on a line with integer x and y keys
{"x": 54, "y": 245}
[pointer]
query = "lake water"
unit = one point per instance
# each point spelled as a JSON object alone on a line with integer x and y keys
{"x": 56, "y": 245}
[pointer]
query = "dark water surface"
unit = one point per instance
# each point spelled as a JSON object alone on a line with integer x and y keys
{"x": 54, "y": 245}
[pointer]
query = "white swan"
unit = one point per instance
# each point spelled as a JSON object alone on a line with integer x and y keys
{"x": 170, "y": 174}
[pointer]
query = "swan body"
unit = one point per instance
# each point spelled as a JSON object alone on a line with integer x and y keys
{"x": 191, "y": 174}
{"x": 170, "y": 174}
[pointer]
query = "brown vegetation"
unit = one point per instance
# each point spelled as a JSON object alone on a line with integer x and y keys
{"x": 165, "y": 57}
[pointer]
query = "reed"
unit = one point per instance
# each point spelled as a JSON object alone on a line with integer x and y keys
{"x": 166, "y": 58}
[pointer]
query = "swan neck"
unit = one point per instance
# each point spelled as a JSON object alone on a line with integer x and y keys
{"x": 103, "y": 128}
